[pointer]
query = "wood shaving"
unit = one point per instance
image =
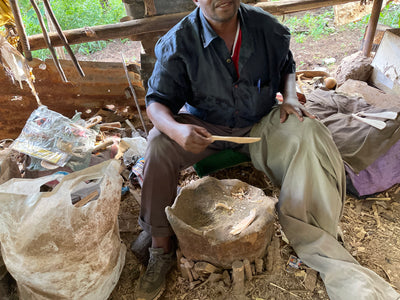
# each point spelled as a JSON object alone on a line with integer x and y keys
{"x": 242, "y": 225}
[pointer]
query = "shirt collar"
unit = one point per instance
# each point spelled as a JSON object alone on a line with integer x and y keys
{"x": 208, "y": 34}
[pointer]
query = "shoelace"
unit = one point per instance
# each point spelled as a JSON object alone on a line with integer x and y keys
{"x": 153, "y": 269}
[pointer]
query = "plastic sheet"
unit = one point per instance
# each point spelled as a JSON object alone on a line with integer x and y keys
{"x": 55, "y": 250}
{"x": 50, "y": 136}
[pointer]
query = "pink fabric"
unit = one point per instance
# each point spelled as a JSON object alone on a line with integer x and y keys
{"x": 382, "y": 174}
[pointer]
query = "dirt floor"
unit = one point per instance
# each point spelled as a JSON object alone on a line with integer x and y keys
{"x": 371, "y": 226}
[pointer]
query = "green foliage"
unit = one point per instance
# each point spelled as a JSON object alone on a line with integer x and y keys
{"x": 390, "y": 15}
{"x": 316, "y": 26}
{"x": 72, "y": 14}
{"x": 311, "y": 25}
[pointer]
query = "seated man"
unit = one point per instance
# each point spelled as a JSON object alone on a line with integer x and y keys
{"x": 224, "y": 63}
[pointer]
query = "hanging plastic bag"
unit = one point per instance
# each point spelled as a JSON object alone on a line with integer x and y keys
{"x": 56, "y": 250}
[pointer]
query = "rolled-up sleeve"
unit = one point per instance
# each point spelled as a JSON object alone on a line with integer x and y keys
{"x": 168, "y": 84}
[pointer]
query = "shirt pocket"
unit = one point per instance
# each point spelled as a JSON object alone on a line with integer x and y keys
{"x": 257, "y": 101}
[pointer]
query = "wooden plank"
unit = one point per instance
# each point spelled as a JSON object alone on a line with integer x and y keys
{"x": 104, "y": 84}
{"x": 140, "y": 29}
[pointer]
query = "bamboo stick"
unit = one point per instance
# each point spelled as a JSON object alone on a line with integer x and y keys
{"x": 62, "y": 37}
{"x": 21, "y": 30}
{"x": 48, "y": 42}
{"x": 134, "y": 94}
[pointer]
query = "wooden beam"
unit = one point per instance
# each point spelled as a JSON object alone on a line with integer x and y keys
{"x": 134, "y": 29}
{"x": 292, "y": 6}
{"x": 139, "y": 29}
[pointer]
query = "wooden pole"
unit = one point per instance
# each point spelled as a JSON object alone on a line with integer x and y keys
{"x": 134, "y": 94}
{"x": 247, "y": 269}
{"x": 238, "y": 277}
{"x": 48, "y": 42}
{"x": 62, "y": 37}
{"x": 373, "y": 22}
{"x": 59, "y": 50}
{"x": 140, "y": 29}
{"x": 21, "y": 30}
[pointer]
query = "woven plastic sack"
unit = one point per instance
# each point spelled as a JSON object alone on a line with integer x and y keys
{"x": 55, "y": 250}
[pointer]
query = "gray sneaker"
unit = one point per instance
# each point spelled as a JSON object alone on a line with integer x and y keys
{"x": 152, "y": 283}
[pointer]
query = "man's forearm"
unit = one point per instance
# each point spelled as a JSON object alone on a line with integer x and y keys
{"x": 289, "y": 89}
{"x": 162, "y": 118}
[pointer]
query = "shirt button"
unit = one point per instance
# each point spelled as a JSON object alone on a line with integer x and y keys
{"x": 228, "y": 60}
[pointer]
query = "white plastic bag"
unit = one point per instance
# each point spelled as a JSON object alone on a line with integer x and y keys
{"x": 55, "y": 250}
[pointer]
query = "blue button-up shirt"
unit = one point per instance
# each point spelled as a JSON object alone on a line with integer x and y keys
{"x": 194, "y": 68}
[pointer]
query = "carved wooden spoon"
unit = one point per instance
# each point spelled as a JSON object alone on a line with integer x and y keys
{"x": 235, "y": 139}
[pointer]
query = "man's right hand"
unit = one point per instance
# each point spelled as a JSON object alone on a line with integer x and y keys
{"x": 192, "y": 138}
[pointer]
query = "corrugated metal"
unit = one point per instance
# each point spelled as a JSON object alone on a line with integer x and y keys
{"x": 104, "y": 84}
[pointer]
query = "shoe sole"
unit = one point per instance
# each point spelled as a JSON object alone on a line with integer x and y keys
{"x": 157, "y": 296}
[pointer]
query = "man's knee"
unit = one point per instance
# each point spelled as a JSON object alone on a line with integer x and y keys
{"x": 308, "y": 128}
{"x": 158, "y": 144}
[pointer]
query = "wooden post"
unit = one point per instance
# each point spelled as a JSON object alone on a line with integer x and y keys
{"x": 247, "y": 269}
{"x": 238, "y": 277}
{"x": 259, "y": 262}
{"x": 373, "y": 22}
{"x": 149, "y": 8}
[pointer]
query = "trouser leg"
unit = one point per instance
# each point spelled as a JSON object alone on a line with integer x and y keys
{"x": 303, "y": 160}
{"x": 164, "y": 159}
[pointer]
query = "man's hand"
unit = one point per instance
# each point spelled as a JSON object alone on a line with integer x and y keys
{"x": 293, "y": 108}
{"x": 291, "y": 105}
{"x": 192, "y": 138}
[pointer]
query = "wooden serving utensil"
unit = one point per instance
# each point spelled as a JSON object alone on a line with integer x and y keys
{"x": 235, "y": 139}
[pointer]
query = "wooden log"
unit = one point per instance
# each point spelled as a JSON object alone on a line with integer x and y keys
{"x": 259, "y": 262}
{"x": 135, "y": 30}
{"x": 226, "y": 278}
{"x": 273, "y": 255}
{"x": 247, "y": 269}
{"x": 292, "y": 6}
{"x": 238, "y": 277}
{"x": 140, "y": 29}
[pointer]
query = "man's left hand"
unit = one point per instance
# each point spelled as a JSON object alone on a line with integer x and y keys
{"x": 294, "y": 108}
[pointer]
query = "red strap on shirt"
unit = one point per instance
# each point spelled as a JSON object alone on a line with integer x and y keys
{"x": 235, "y": 57}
